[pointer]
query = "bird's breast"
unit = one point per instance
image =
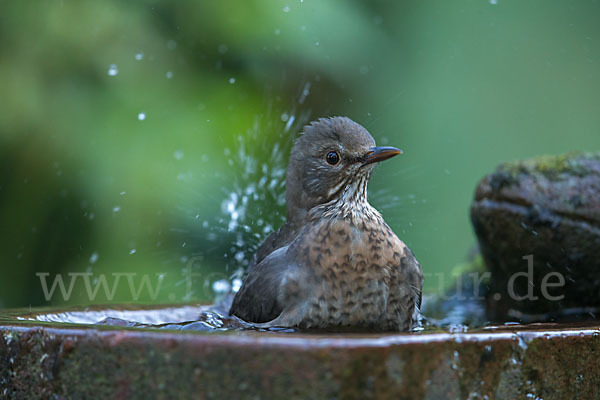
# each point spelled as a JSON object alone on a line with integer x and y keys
{"x": 355, "y": 264}
{"x": 356, "y": 246}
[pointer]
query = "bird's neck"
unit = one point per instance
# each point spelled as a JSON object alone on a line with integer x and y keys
{"x": 351, "y": 204}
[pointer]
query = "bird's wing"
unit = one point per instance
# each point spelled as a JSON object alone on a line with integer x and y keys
{"x": 268, "y": 288}
{"x": 281, "y": 237}
{"x": 414, "y": 276}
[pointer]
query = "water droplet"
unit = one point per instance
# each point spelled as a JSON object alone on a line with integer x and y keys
{"x": 94, "y": 257}
{"x": 286, "y": 9}
{"x": 236, "y": 285}
{"x": 305, "y": 93}
{"x": 132, "y": 251}
{"x": 230, "y": 208}
{"x": 521, "y": 342}
{"x": 285, "y": 117}
{"x": 232, "y": 80}
{"x": 222, "y": 49}
{"x": 178, "y": 154}
{"x": 277, "y": 31}
{"x": 455, "y": 360}
{"x": 169, "y": 75}
{"x": 289, "y": 123}
{"x": 221, "y": 286}
{"x": 123, "y": 193}
{"x": 493, "y": 2}
{"x": 113, "y": 70}
{"x": 139, "y": 56}
{"x": 116, "y": 209}
{"x": 142, "y": 116}
{"x": 239, "y": 256}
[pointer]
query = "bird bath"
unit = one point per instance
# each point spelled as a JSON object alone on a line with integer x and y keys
{"x": 63, "y": 352}
{"x": 176, "y": 351}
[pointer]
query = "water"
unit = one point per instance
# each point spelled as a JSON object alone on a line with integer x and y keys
{"x": 214, "y": 318}
{"x": 215, "y": 248}
{"x": 113, "y": 70}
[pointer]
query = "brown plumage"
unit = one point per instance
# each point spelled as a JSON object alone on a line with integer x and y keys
{"x": 335, "y": 262}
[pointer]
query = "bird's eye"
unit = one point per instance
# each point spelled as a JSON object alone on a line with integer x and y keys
{"x": 333, "y": 157}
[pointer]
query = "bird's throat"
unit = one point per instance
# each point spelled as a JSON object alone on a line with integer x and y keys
{"x": 351, "y": 202}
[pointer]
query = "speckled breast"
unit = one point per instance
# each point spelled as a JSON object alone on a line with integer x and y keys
{"x": 359, "y": 267}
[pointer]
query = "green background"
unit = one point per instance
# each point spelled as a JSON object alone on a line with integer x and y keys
{"x": 86, "y": 186}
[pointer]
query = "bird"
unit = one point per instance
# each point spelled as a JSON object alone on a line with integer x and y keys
{"x": 335, "y": 262}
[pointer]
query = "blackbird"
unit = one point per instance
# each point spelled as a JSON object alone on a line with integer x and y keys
{"x": 335, "y": 262}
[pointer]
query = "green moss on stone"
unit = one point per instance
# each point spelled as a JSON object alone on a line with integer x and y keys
{"x": 575, "y": 163}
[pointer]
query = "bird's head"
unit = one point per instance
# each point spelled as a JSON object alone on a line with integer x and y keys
{"x": 333, "y": 157}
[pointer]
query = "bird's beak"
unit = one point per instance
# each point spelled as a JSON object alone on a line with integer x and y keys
{"x": 381, "y": 153}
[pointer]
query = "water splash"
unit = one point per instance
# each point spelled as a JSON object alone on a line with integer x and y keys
{"x": 252, "y": 204}
{"x": 260, "y": 182}
{"x": 305, "y": 93}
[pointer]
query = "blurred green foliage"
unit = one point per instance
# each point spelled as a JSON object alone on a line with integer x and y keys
{"x": 126, "y": 126}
